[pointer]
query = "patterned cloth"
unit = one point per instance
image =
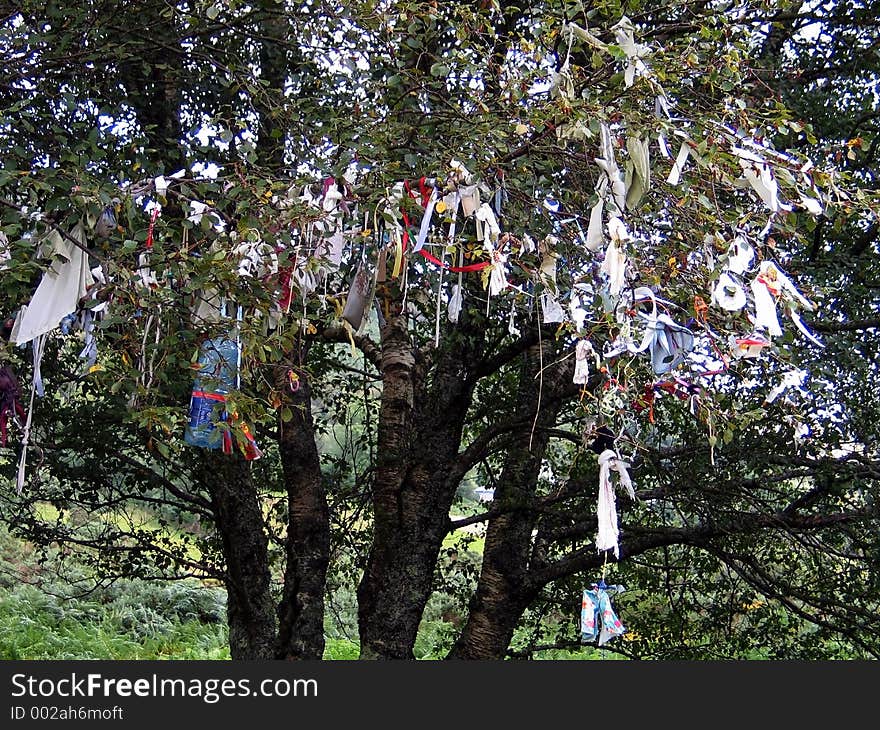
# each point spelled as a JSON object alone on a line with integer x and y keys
{"x": 598, "y": 617}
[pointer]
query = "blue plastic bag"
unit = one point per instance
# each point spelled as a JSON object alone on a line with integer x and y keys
{"x": 217, "y": 375}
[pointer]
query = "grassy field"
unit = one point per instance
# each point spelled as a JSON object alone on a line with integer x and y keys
{"x": 45, "y": 617}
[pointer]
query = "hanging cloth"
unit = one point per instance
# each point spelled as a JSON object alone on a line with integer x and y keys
{"x": 608, "y": 533}
{"x": 584, "y": 352}
{"x": 615, "y": 261}
{"x": 597, "y": 614}
{"x": 38, "y": 347}
{"x": 670, "y": 343}
{"x": 65, "y": 282}
{"x": 10, "y": 401}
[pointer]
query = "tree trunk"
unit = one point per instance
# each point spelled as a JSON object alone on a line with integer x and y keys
{"x": 301, "y": 611}
{"x": 273, "y": 69}
{"x": 239, "y": 521}
{"x": 418, "y": 440}
{"x": 501, "y": 594}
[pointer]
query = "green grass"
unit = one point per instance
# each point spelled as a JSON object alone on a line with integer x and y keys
{"x": 341, "y": 649}
{"x": 45, "y": 617}
{"x": 37, "y": 625}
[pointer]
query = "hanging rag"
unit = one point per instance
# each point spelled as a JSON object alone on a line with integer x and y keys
{"x": 595, "y": 239}
{"x": 10, "y": 402}
{"x": 551, "y": 309}
{"x": 39, "y": 344}
{"x": 758, "y": 174}
{"x": 65, "y": 282}
{"x": 749, "y": 347}
{"x": 765, "y": 291}
{"x": 358, "y": 299}
{"x": 670, "y": 343}
{"x": 667, "y": 342}
{"x": 638, "y": 177}
{"x": 581, "y": 295}
{"x": 584, "y": 352}
{"x": 770, "y": 285}
{"x": 614, "y": 263}
{"x": 624, "y": 32}
{"x": 790, "y": 379}
{"x": 608, "y": 164}
{"x": 740, "y": 255}
{"x": 455, "y": 302}
{"x": 678, "y": 164}
{"x": 597, "y": 615}
{"x": 106, "y": 224}
{"x": 608, "y": 532}
{"x": 728, "y": 293}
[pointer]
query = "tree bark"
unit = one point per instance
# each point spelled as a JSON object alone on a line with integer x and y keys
{"x": 501, "y": 597}
{"x": 419, "y": 437}
{"x": 301, "y": 610}
{"x": 273, "y": 69}
{"x": 239, "y": 521}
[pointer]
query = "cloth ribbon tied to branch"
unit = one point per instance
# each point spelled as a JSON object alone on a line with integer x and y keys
{"x": 608, "y": 533}
{"x": 597, "y": 614}
{"x": 584, "y": 352}
{"x": 770, "y": 285}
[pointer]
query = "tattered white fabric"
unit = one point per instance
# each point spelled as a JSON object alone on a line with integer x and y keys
{"x": 608, "y": 164}
{"x": 469, "y": 197}
{"x": 740, "y": 255}
{"x": 811, "y": 204}
{"x": 583, "y": 352}
{"x": 198, "y": 210}
{"x": 458, "y": 172}
{"x": 771, "y": 284}
{"x": 146, "y": 277}
{"x": 608, "y": 533}
{"x": 39, "y": 344}
{"x": 764, "y": 295}
{"x": 330, "y": 248}
{"x": 491, "y": 231}
{"x": 257, "y": 259}
{"x": 5, "y": 254}
{"x": 624, "y": 36}
{"x": 595, "y": 239}
{"x": 728, "y": 293}
{"x": 66, "y": 281}
{"x": 758, "y": 173}
{"x": 551, "y": 309}
{"x": 547, "y": 269}
{"x": 678, "y": 164}
{"x": 512, "y": 329}
{"x": 638, "y": 174}
{"x": 160, "y": 185}
{"x": 795, "y": 317}
{"x": 574, "y": 30}
{"x": 426, "y": 219}
{"x": 577, "y": 306}
{"x": 614, "y": 264}
{"x": 453, "y": 309}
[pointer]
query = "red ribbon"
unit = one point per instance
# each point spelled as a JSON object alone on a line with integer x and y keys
{"x": 210, "y": 396}
{"x": 153, "y": 216}
{"x": 434, "y": 260}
